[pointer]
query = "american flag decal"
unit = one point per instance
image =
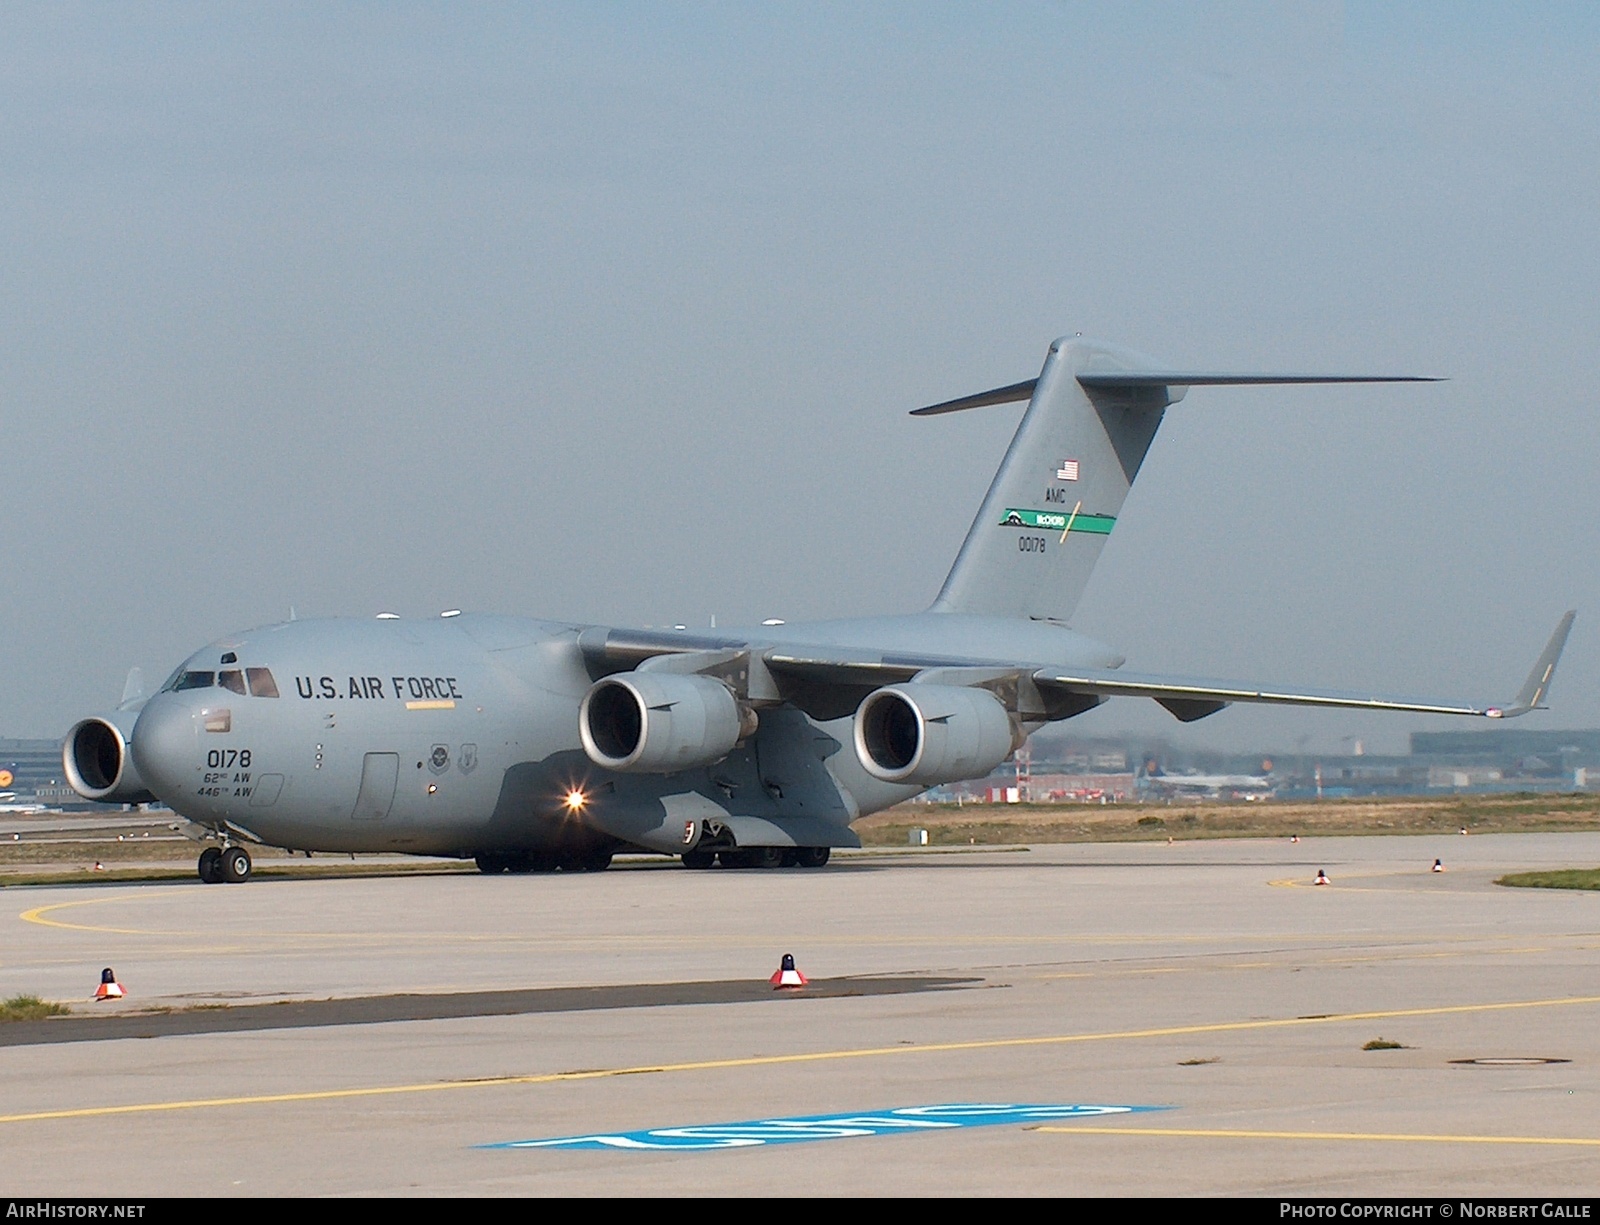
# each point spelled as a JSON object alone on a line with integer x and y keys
{"x": 1068, "y": 470}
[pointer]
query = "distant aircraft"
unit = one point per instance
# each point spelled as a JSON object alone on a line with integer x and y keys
{"x": 1246, "y": 786}
{"x": 535, "y": 745}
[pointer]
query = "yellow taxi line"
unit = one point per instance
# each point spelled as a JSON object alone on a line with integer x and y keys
{"x": 1374, "y": 1136}
{"x": 1301, "y": 960}
{"x": 758, "y": 1061}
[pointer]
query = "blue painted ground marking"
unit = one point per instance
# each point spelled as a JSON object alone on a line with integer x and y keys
{"x": 825, "y": 1127}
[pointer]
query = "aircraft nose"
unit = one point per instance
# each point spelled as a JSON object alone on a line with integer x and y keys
{"x": 164, "y": 743}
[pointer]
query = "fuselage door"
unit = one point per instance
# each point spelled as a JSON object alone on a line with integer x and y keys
{"x": 265, "y": 793}
{"x": 379, "y": 774}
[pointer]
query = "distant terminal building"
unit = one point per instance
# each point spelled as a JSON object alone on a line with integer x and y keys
{"x": 1509, "y": 759}
{"x": 31, "y": 773}
{"x": 1106, "y": 768}
{"x": 1505, "y": 746}
{"x": 32, "y": 764}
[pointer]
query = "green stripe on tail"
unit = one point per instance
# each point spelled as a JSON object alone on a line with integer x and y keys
{"x": 1058, "y": 520}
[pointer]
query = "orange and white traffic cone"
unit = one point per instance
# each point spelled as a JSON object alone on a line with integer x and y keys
{"x": 1322, "y": 878}
{"x": 787, "y": 975}
{"x": 110, "y": 988}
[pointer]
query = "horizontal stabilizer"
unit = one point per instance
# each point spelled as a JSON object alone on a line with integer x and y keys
{"x": 1128, "y": 379}
{"x": 1000, "y": 395}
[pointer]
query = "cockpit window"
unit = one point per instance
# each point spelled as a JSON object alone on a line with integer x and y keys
{"x": 261, "y": 683}
{"x": 257, "y": 682}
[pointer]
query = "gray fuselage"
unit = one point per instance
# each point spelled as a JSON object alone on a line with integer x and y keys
{"x": 460, "y": 736}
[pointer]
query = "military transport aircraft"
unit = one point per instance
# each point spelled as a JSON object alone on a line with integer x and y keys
{"x": 537, "y": 745}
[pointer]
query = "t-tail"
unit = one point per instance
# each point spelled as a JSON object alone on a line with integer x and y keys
{"x": 1092, "y": 414}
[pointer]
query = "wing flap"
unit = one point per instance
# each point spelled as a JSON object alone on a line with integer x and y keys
{"x": 837, "y": 671}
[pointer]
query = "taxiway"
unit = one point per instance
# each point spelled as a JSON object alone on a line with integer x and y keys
{"x": 1207, "y": 978}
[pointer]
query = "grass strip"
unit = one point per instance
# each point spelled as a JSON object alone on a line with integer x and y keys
{"x": 1567, "y": 878}
{"x": 30, "y": 1008}
{"x": 980, "y": 824}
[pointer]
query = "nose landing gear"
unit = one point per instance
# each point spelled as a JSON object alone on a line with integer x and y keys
{"x": 230, "y": 865}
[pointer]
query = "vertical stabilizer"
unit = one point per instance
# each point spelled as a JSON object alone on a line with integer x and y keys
{"x": 1060, "y": 487}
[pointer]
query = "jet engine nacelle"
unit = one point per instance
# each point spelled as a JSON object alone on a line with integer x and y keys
{"x": 659, "y": 723}
{"x": 930, "y": 734}
{"x": 98, "y": 762}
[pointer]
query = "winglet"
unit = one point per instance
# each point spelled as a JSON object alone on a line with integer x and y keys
{"x": 1537, "y": 687}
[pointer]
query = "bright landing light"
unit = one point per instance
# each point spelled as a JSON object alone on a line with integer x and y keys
{"x": 576, "y": 800}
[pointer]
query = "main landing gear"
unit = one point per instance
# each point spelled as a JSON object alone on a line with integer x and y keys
{"x": 225, "y": 865}
{"x": 759, "y": 857}
{"x": 534, "y": 861}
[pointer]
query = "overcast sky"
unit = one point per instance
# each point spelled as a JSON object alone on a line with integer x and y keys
{"x": 614, "y": 312}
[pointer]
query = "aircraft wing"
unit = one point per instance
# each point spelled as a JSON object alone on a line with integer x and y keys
{"x": 1190, "y": 699}
{"x": 836, "y": 679}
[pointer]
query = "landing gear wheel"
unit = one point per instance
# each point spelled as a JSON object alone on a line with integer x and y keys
{"x": 752, "y": 857}
{"x": 593, "y": 861}
{"x": 211, "y": 865}
{"x": 811, "y": 856}
{"x": 699, "y": 859}
{"x": 491, "y": 865}
{"x": 236, "y": 865}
